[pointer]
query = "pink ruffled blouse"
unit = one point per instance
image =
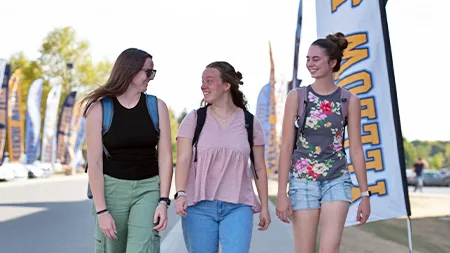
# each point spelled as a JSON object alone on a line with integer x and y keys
{"x": 222, "y": 170}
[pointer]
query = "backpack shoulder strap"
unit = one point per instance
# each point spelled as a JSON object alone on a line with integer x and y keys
{"x": 107, "y": 111}
{"x": 345, "y": 98}
{"x": 302, "y": 100}
{"x": 249, "y": 118}
{"x": 302, "y": 93}
{"x": 152, "y": 106}
{"x": 201, "y": 118}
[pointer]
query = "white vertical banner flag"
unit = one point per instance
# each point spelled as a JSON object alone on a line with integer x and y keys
{"x": 367, "y": 72}
{"x": 48, "y": 154}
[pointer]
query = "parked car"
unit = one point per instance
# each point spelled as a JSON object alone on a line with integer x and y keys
{"x": 430, "y": 178}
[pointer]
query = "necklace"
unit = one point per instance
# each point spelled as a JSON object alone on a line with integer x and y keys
{"x": 223, "y": 119}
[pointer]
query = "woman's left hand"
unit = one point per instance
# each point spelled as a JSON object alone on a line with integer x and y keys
{"x": 363, "y": 211}
{"x": 160, "y": 217}
{"x": 264, "y": 219}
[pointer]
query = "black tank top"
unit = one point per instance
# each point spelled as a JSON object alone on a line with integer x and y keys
{"x": 131, "y": 142}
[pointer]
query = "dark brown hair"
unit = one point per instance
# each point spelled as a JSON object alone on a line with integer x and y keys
{"x": 127, "y": 65}
{"x": 334, "y": 46}
{"x": 229, "y": 75}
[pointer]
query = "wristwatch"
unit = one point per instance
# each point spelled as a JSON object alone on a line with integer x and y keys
{"x": 165, "y": 201}
{"x": 366, "y": 194}
{"x": 179, "y": 193}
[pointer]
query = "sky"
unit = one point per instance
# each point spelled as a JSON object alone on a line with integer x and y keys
{"x": 185, "y": 36}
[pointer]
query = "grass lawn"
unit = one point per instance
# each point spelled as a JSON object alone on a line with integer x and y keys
{"x": 429, "y": 235}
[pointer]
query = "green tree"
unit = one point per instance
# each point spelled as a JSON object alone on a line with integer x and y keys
{"x": 181, "y": 116}
{"x": 422, "y": 151}
{"x": 410, "y": 153}
{"x": 31, "y": 71}
{"x": 60, "y": 50}
{"x": 447, "y": 155}
{"x": 437, "y": 161}
{"x": 173, "y": 130}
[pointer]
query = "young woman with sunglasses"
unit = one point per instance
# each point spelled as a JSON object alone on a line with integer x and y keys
{"x": 131, "y": 189}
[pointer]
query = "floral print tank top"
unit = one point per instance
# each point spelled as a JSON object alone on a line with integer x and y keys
{"x": 320, "y": 154}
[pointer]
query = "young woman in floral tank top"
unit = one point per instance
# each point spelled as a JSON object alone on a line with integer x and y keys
{"x": 319, "y": 181}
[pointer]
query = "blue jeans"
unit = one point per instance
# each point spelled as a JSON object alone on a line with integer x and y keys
{"x": 208, "y": 222}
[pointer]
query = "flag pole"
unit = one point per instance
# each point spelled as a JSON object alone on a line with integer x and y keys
{"x": 401, "y": 151}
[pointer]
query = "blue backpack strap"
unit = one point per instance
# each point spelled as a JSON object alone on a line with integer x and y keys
{"x": 152, "y": 106}
{"x": 107, "y": 111}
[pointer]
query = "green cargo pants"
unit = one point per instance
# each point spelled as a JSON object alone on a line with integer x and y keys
{"x": 132, "y": 205}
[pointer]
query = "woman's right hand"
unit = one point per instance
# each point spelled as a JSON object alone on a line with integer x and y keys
{"x": 181, "y": 205}
{"x": 283, "y": 208}
{"x": 107, "y": 225}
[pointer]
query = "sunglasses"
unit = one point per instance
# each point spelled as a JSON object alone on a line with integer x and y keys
{"x": 150, "y": 72}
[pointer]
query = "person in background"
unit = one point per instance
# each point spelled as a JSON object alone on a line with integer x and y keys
{"x": 419, "y": 166}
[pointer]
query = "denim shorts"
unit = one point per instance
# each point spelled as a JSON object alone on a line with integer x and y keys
{"x": 306, "y": 194}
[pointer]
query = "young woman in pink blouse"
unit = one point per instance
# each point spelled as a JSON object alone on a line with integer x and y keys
{"x": 215, "y": 194}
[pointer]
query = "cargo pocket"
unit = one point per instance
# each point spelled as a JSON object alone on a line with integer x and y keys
{"x": 100, "y": 239}
{"x": 155, "y": 243}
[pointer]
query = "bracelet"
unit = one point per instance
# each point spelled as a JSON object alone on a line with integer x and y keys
{"x": 98, "y": 215}
{"x": 164, "y": 203}
{"x": 102, "y": 211}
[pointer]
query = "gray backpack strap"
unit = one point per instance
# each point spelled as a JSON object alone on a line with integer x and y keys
{"x": 302, "y": 93}
{"x": 345, "y": 99}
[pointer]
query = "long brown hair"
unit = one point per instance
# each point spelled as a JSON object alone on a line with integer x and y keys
{"x": 229, "y": 75}
{"x": 127, "y": 65}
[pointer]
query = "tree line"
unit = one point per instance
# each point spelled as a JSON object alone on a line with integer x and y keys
{"x": 436, "y": 153}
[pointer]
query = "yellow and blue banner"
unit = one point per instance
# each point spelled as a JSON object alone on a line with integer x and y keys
{"x": 15, "y": 118}
{"x": 5, "y": 70}
{"x": 63, "y": 133}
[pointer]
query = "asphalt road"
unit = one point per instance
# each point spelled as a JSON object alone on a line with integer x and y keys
{"x": 49, "y": 215}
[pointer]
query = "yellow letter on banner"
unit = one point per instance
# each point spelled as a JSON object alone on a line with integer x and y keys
{"x": 368, "y": 108}
{"x": 378, "y": 189}
{"x": 363, "y": 77}
{"x": 336, "y": 3}
{"x": 376, "y": 162}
